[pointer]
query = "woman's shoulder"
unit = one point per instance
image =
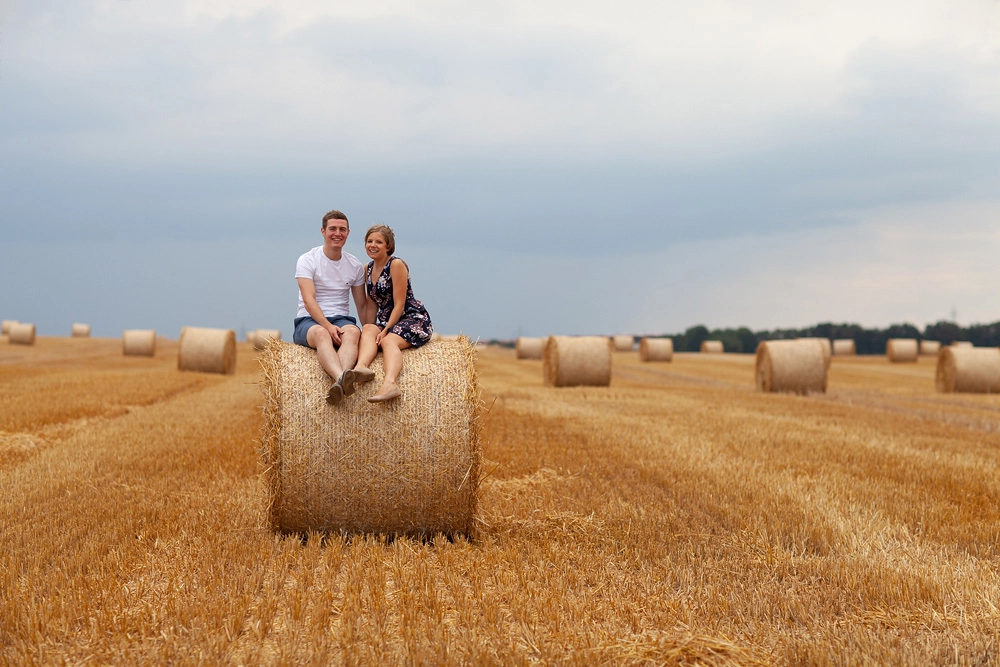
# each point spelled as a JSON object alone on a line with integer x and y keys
{"x": 402, "y": 263}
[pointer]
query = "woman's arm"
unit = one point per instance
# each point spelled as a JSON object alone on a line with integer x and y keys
{"x": 399, "y": 274}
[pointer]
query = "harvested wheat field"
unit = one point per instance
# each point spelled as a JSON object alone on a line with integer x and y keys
{"x": 675, "y": 517}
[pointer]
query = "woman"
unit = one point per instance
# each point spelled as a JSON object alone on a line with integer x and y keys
{"x": 401, "y": 321}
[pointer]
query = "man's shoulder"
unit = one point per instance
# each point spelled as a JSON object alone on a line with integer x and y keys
{"x": 311, "y": 253}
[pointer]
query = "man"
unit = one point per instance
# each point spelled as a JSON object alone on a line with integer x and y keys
{"x": 327, "y": 276}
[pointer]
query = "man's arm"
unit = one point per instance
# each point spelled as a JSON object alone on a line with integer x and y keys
{"x": 308, "y": 289}
{"x": 366, "y": 314}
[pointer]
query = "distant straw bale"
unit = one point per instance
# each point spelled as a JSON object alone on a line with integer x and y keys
{"x": 207, "y": 350}
{"x": 968, "y": 369}
{"x": 712, "y": 347}
{"x": 139, "y": 342}
{"x": 263, "y": 336}
{"x": 796, "y": 366}
{"x": 623, "y": 343}
{"x": 407, "y": 467}
{"x": 80, "y": 330}
{"x": 901, "y": 349}
{"x": 22, "y": 334}
{"x": 571, "y": 361}
{"x": 962, "y": 343}
{"x": 825, "y": 345}
{"x": 930, "y": 347}
{"x": 529, "y": 348}
{"x": 656, "y": 349}
{"x": 844, "y": 347}
{"x": 5, "y": 326}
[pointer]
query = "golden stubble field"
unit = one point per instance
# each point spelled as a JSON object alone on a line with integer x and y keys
{"x": 677, "y": 517}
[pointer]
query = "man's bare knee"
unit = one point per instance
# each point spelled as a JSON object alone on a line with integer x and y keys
{"x": 317, "y": 336}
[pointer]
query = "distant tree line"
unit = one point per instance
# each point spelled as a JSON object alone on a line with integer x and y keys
{"x": 866, "y": 341}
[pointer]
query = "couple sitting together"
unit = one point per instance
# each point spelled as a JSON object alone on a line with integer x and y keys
{"x": 392, "y": 319}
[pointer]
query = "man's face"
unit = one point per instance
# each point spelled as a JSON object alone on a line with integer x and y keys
{"x": 335, "y": 233}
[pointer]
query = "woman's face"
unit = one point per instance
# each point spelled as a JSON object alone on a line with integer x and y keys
{"x": 375, "y": 245}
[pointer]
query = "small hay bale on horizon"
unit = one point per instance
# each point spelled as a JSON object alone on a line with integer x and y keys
{"x": 261, "y": 337}
{"x": 408, "y": 467}
{"x": 5, "y": 326}
{"x": 623, "y": 342}
{"x": 22, "y": 333}
{"x": 844, "y": 347}
{"x": 962, "y": 343}
{"x": 929, "y": 347}
{"x": 207, "y": 350}
{"x": 139, "y": 342}
{"x": 796, "y": 366}
{"x": 899, "y": 350}
{"x": 574, "y": 361}
{"x": 712, "y": 347}
{"x": 529, "y": 348}
{"x": 80, "y": 330}
{"x": 656, "y": 349}
{"x": 968, "y": 369}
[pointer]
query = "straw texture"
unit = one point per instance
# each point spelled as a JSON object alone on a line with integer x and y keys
{"x": 22, "y": 334}
{"x": 825, "y": 345}
{"x": 930, "y": 347}
{"x": 712, "y": 346}
{"x": 81, "y": 330}
{"x": 901, "y": 349}
{"x": 407, "y": 467}
{"x": 529, "y": 348}
{"x": 262, "y": 336}
{"x": 623, "y": 343}
{"x": 572, "y": 361}
{"x": 968, "y": 369}
{"x": 844, "y": 347}
{"x": 656, "y": 349}
{"x": 796, "y": 366}
{"x": 139, "y": 342}
{"x": 5, "y": 326}
{"x": 207, "y": 350}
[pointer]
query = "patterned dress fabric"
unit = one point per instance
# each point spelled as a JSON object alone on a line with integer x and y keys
{"x": 414, "y": 326}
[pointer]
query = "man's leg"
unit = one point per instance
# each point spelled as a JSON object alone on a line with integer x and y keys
{"x": 348, "y": 352}
{"x": 319, "y": 339}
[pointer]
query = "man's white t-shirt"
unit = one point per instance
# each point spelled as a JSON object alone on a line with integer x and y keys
{"x": 333, "y": 280}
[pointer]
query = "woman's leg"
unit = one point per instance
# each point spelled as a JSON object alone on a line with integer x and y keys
{"x": 392, "y": 362}
{"x": 367, "y": 350}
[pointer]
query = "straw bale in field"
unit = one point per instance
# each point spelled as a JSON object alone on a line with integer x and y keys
{"x": 623, "y": 343}
{"x": 962, "y": 343}
{"x": 825, "y": 345}
{"x": 712, "y": 346}
{"x": 656, "y": 349}
{"x": 901, "y": 349}
{"x": 844, "y": 347}
{"x": 22, "y": 334}
{"x": 139, "y": 342}
{"x": 5, "y": 326}
{"x": 572, "y": 361}
{"x": 81, "y": 330}
{"x": 445, "y": 337}
{"x": 968, "y": 369}
{"x": 207, "y": 350}
{"x": 409, "y": 467}
{"x": 930, "y": 347}
{"x": 261, "y": 337}
{"x": 797, "y": 366}
{"x": 529, "y": 348}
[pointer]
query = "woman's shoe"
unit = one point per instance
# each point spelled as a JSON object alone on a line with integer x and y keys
{"x": 387, "y": 395}
{"x": 363, "y": 374}
{"x": 336, "y": 394}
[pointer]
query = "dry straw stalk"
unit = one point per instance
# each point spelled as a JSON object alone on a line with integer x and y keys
{"x": 901, "y": 349}
{"x": 80, "y": 330}
{"x": 968, "y": 369}
{"x": 139, "y": 342}
{"x": 408, "y": 467}
{"x": 22, "y": 334}
{"x": 261, "y": 337}
{"x": 207, "y": 350}
{"x": 844, "y": 347}
{"x": 930, "y": 347}
{"x": 623, "y": 343}
{"x": 572, "y": 361}
{"x": 656, "y": 349}
{"x": 529, "y": 348}
{"x": 712, "y": 346}
{"x": 797, "y": 366}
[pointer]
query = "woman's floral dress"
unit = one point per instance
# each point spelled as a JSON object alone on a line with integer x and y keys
{"x": 414, "y": 325}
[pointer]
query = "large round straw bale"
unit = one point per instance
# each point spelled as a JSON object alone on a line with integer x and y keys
{"x": 263, "y": 336}
{"x": 139, "y": 342}
{"x": 207, "y": 350}
{"x": 712, "y": 346}
{"x": 962, "y": 343}
{"x": 968, "y": 369}
{"x": 824, "y": 343}
{"x": 901, "y": 349}
{"x": 623, "y": 343}
{"x": 656, "y": 349}
{"x": 844, "y": 347}
{"x": 797, "y": 366}
{"x": 22, "y": 334}
{"x": 5, "y": 326}
{"x": 930, "y": 347}
{"x": 529, "y": 348}
{"x": 572, "y": 361}
{"x": 410, "y": 466}
{"x": 80, "y": 330}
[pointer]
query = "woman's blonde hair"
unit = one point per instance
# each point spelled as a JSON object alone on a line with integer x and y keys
{"x": 386, "y": 232}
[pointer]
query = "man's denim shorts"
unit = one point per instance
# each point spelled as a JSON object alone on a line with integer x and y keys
{"x": 303, "y": 324}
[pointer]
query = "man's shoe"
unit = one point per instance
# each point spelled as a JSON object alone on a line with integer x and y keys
{"x": 336, "y": 394}
{"x": 346, "y": 381}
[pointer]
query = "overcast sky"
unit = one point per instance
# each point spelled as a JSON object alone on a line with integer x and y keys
{"x": 560, "y": 167}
